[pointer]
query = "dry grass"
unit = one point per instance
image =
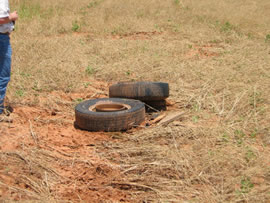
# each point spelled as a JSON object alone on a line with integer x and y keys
{"x": 214, "y": 54}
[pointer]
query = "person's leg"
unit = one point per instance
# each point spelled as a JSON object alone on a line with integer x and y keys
{"x": 5, "y": 67}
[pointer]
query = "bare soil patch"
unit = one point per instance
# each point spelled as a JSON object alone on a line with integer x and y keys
{"x": 137, "y": 35}
{"x": 44, "y": 157}
{"x": 204, "y": 51}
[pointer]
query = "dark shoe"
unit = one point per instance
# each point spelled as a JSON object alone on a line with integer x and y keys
{"x": 4, "y": 118}
{"x": 7, "y": 110}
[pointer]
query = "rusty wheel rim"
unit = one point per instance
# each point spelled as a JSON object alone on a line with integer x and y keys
{"x": 110, "y": 107}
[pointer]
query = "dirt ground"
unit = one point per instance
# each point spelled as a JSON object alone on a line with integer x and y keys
{"x": 42, "y": 151}
{"x": 45, "y": 157}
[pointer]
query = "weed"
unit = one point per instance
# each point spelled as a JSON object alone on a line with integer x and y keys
{"x": 250, "y": 36}
{"x": 225, "y": 138}
{"x": 7, "y": 170}
{"x": 19, "y": 93}
{"x": 36, "y": 87}
{"x": 196, "y": 107}
{"x": 82, "y": 42}
{"x": 200, "y": 19}
{"x": 267, "y": 38}
{"x": 140, "y": 14}
{"x": 75, "y": 26}
{"x": 89, "y": 70}
{"x": 48, "y": 13}
{"x": 176, "y": 2}
{"x": 94, "y": 4}
{"x": 226, "y": 27}
{"x": 239, "y": 136}
{"x": 254, "y": 134}
{"x": 86, "y": 84}
{"x": 245, "y": 185}
{"x": 78, "y": 100}
{"x": 28, "y": 11}
{"x": 118, "y": 30}
{"x": 175, "y": 28}
{"x": 62, "y": 30}
{"x": 158, "y": 28}
{"x": 211, "y": 153}
{"x": 256, "y": 98}
{"x": 250, "y": 155}
{"x": 195, "y": 119}
{"x": 68, "y": 88}
{"x": 26, "y": 75}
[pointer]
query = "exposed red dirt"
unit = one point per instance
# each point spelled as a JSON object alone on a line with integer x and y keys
{"x": 43, "y": 155}
{"x": 204, "y": 51}
{"x": 137, "y": 35}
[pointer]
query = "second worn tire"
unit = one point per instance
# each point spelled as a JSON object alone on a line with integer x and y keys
{"x": 114, "y": 114}
{"x": 144, "y": 91}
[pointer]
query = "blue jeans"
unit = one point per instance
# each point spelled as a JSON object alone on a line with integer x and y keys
{"x": 5, "y": 67}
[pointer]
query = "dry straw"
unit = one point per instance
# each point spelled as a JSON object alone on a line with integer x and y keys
{"x": 214, "y": 54}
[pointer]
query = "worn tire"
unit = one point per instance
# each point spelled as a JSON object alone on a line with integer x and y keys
{"x": 90, "y": 120}
{"x": 144, "y": 91}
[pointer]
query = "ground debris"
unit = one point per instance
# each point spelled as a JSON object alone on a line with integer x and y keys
{"x": 171, "y": 117}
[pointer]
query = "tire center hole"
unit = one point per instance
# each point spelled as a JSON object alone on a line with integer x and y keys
{"x": 110, "y": 107}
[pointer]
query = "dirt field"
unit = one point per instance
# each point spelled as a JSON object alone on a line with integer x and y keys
{"x": 215, "y": 56}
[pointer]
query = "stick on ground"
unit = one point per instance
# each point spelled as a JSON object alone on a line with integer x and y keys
{"x": 171, "y": 117}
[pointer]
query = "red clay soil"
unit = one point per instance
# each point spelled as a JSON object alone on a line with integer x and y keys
{"x": 204, "y": 51}
{"x": 42, "y": 156}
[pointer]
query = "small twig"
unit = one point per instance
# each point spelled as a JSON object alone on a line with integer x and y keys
{"x": 73, "y": 159}
{"x": 157, "y": 119}
{"x": 151, "y": 107}
{"x": 33, "y": 185}
{"x": 138, "y": 126}
{"x": 134, "y": 185}
{"x": 235, "y": 104}
{"x": 171, "y": 117}
{"x": 79, "y": 197}
{"x": 130, "y": 169}
{"x": 33, "y": 133}
{"x": 46, "y": 179}
{"x": 19, "y": 189}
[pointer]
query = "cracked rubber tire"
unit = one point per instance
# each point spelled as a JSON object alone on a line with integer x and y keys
{"x": 144, "y": 91}
{"x": 87, "y": 118}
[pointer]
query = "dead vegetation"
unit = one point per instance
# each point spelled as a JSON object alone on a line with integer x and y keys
{"x": 214, "y": 55}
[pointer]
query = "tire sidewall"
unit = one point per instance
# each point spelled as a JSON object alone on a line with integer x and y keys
{"x": 140, "y": 90}
{"x": 83, "y": 107}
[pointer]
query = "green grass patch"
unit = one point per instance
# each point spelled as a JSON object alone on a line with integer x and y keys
{"x": 75, "y": 26}
{"x": 29, "y": 10}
